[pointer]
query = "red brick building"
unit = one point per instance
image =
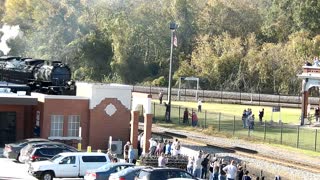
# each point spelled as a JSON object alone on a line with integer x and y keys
{"x": 101, "y": 110}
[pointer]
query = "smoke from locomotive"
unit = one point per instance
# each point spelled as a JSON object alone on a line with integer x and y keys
{"x": 49, "y": 77}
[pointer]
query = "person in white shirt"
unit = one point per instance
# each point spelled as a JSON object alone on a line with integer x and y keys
{"x": 175, "y": 148}
{"x": 197, "y": 166}
{"x": 162, "y": 161}
{"x": 199, "y": 105}
{"x": 153, "y": 146}
{"x": 231, "y": 171}
{"x": 190, "y": 165}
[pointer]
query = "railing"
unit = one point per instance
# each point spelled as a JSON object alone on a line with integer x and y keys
{"x": 228, "y": 97}
{"x": 267, "y": 131}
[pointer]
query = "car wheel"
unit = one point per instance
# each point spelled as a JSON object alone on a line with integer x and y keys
{"x": 47, "y": 175}
{"x": 17, "y": 159}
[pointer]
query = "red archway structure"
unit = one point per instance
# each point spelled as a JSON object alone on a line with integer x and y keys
{"x": 310, "y": 78}
{"x": 145, "y": 101}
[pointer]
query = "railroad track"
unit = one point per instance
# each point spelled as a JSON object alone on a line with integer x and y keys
{"x": 248, "y": 153}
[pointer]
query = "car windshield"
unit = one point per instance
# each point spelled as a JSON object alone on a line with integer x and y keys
{"x": 106, "y": 166}
{"x": 55, "y": 157}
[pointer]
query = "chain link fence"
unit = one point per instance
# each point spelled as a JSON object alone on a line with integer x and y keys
{"x": 289, "y": 135}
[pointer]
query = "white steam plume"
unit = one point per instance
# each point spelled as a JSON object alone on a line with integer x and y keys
{"x": 9, "y": 32}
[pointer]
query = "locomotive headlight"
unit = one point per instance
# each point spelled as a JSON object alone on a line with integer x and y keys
{"x": 70, "y": 83}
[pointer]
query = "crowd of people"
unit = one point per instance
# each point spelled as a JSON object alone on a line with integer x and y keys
{"x": 203, "y": 165}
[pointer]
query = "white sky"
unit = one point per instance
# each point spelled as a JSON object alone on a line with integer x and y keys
{"x": 9, "y": 32}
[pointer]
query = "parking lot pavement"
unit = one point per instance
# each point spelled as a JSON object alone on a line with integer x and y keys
{"x": 11, "y": 170}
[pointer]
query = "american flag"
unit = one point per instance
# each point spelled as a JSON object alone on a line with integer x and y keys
{"x": 175, "y": 40}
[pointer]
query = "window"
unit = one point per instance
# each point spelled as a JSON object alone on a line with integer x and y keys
{"x": 68, "y": 160}
{"x": 94, "y": 159}
{"x": 73, "y": 125}
{"x": 56, "y": 125}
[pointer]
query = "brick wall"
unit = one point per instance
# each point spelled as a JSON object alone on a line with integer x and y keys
{"x": 102, "y": 125}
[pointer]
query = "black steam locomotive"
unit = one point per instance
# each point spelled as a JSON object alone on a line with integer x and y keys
{"x": 48, "y": 77}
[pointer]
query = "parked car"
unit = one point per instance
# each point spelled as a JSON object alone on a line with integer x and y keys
{"x": 12, "y": 150}
{"x": 46, "y": 153}
{"x": 126, "y": 174}
{"x": 103, "y": 172}
{"x": 27, "y": 150}
{"x": 152, "y": 173}
{"x": 68, "y": 165}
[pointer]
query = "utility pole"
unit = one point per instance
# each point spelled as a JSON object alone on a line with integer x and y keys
{"x": 173, "y": 27}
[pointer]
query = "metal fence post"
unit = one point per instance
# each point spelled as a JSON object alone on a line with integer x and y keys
{"x": 265, "y": 129}
{"x": 179, "y": 114}
{"x": 205, "y": 119}
{"x": 298, "y": 137}
{"x": 219, "y": 121}
{"x": 281, "y": 133}
{"x": 191, "y": 117}
{"x": 234, "y": 124}
{"x": 185, "y": 94}
{"x": 315, "y": 140}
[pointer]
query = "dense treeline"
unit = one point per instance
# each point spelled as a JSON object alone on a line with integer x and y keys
{"x": 239, "y": 45}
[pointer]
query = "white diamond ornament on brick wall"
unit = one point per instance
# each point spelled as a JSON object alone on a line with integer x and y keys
{"x": 110, "y": 109}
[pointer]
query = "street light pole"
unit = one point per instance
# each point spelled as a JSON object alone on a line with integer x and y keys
{"x": 173, "y": 27}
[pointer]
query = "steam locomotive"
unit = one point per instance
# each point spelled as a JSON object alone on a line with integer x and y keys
{"x": 48, "y": 77}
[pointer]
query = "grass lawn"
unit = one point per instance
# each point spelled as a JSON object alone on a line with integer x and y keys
{"x": 287, "y": 115}
{"x": 226, "y": 119}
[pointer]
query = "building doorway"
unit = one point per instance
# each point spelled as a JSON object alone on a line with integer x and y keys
{"x": 7, "y": 127}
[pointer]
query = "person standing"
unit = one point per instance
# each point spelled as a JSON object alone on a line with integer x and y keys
{"x": 251, "y": 122}
{"x": 190, "y": 164}
{"x": 167, "y": 115}
{"x": 197, "y": 166}
{"x": 162, "y": 161}
{"x": 261, "y": 114}
{"x": 204, "y": 165}
{"x": 126, "y": 151}
{"x": 231, "y": 171}
{"x": 194, "y": 119}
{"x": 131, "y": 154}
{"x": 199, "y": 105}
{"x": 317, "y": 113}
{"x": 160, "y": 97}
{"x": 186, "y": 116}
{"x": 246, "y": 176}
{"x": 153, "y": 146}
{"x": 222, "y": 173}
{"x": 244, "y": 118}
{"x": 168, "y": 148}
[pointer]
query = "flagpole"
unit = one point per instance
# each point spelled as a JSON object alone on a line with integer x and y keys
{"x": 172, "y": 28}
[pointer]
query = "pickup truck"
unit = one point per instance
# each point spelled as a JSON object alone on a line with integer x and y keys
{"x": 67, "y": 165}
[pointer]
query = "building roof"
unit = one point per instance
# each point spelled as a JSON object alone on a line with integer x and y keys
{"x": 15, "y": 99}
